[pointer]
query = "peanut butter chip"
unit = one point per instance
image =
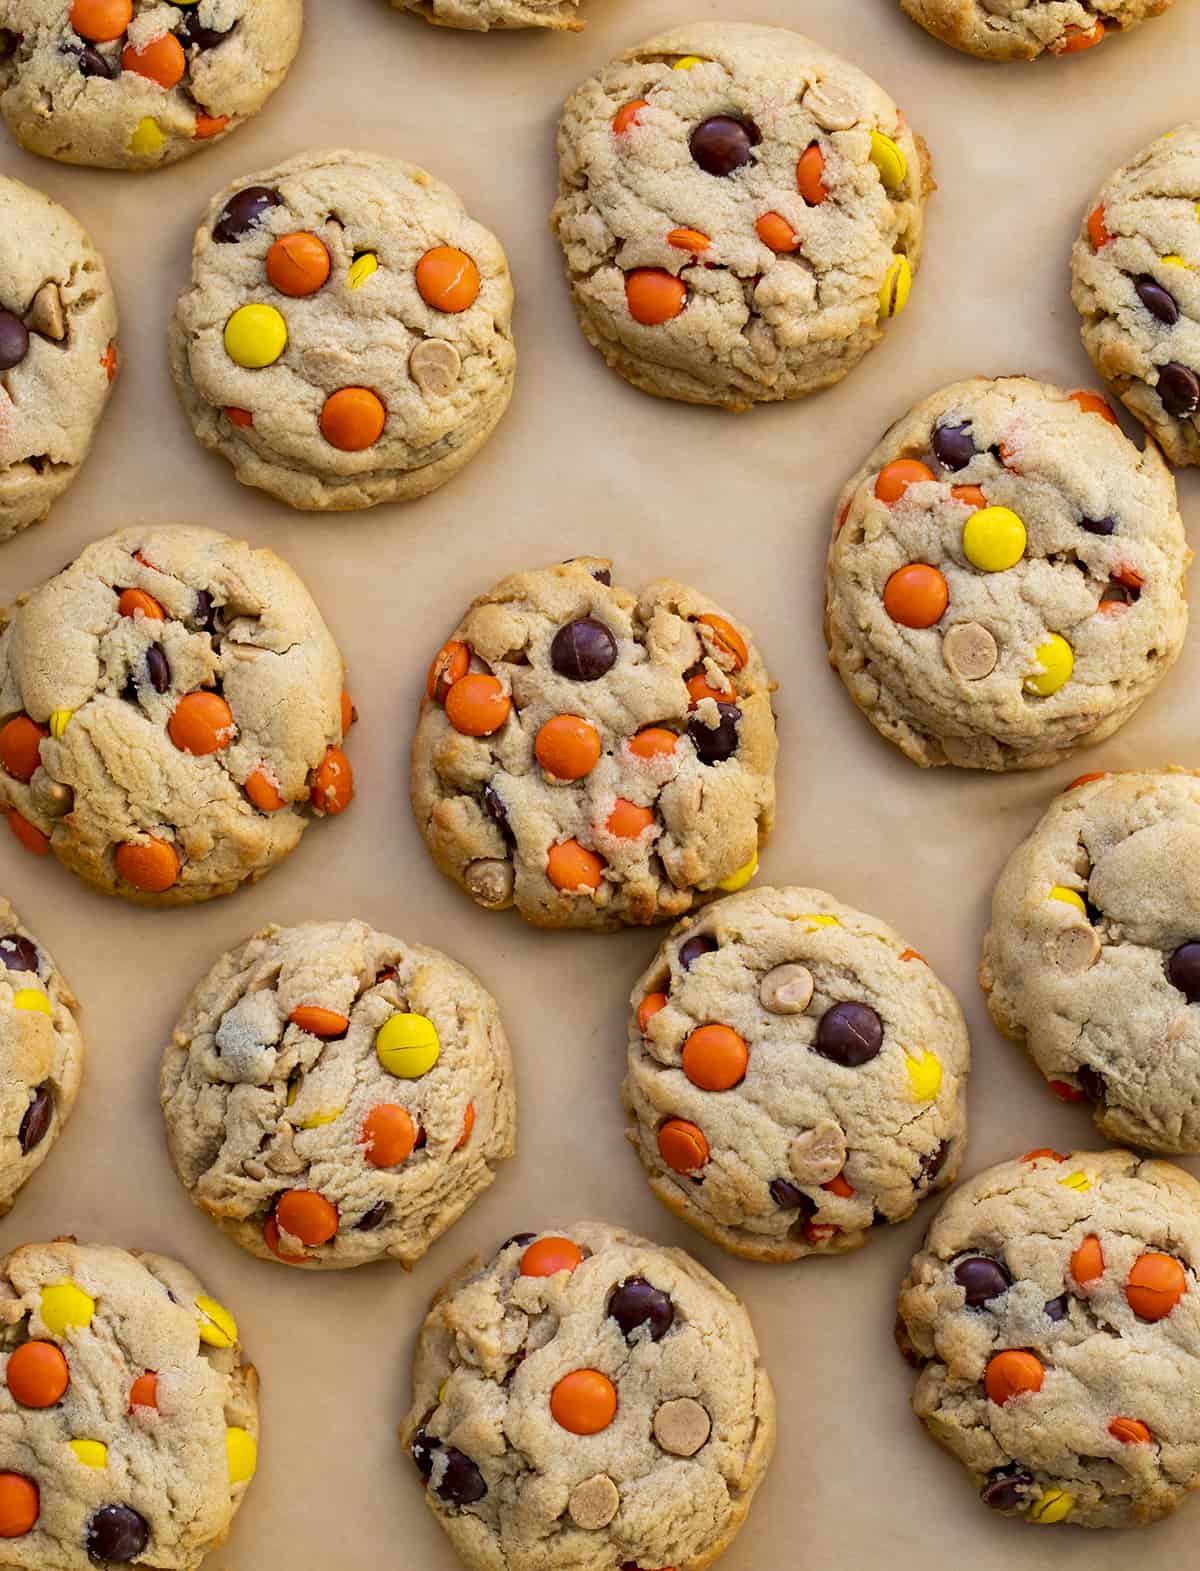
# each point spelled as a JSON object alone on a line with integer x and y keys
{"x": 682, "y": 1427}
{"x": 46, "y": 314}
{"x": 819, "y": 1154}
{"x": 970, "y": 651}
{"x": 1076, "y": 949}
{"x": 491, "y": 881}
{"x": 434, "y": 366}
{"x": 594, "y": 1503}
{"x": 787, "y": 990}
{"x": 830, "y": 109}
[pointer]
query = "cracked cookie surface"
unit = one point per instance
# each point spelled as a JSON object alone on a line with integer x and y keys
{"x": 346, "y": 337}
{"x": 1092, "y": 960}
{"x": 171, "y": 715}
{"x": 334, "y": 1096}
{"x": 130, "y": 1417}
{"x": 592, "y": 756}
{"x": 1054, "y": 1315}
{"x": 482, "y": 16}
{"x": 58, "y": 357}
{"x": 587, "y": 1402}
{"x": 41, "y": 1053}
{"x": 740, "y": 211}
{"x": 1025, "y": 29}
{"x": 795, "y": 1075}
{"x": 1005, "y": 581}
{"x": 136, "y": 84}
{"x": 1135, "y": 280}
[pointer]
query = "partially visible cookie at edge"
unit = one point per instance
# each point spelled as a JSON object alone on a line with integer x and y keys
{"x": 1026, "y": 29}
{"x": 484, "y": 16}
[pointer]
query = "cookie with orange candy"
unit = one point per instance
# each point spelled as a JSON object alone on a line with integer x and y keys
{"x": 334, "y": 1096}
{"x": 136, "y": 84}
{"x": 172, "y": 715}
{"x": 593, "y": 756}
{"x": 346, "y": 335}
{"x": 1027, "y": 29}
{"x": 1053, "y": 1314}
{"x": 588, "y": 1399}
{"x": 485, "y": 16}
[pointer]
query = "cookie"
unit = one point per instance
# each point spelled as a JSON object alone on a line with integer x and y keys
{"x": 136, "y": 84}
{"x": 482, "y": 16}
{"x": 334, "y": 1096}
{"x": 1025, "y": 29}
{"x": 130, "y": 1417}
{"x": 1005, "y": 582}
{"x": 58, "y": 352}
{"x": 592, "y": 756}
{"x": 795, "y": 1075}
{"x": 172, "y": 715}
{"x": 345, "y": 338}
{"x": 1135, "y": 280}
{"x": 1054, "y": 1316}
{"x": 41, "y": 1054}
{"x": 589, "y": 1400}
{"x": 740, "y": 212}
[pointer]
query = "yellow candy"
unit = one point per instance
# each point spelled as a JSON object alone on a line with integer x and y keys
{"x": 1054, "y": 1506}
{"x": 1175, "y": 260}
{"x": 242, "y": 1453}
{"x": 1078, "y": 1181}
{"x": 742, "y": 877}
{"x": 1068, "y": 897}
{"x": 897, "y": 285}
{"x": 361, "y": 269}
{"x": 993, "y": 539}
{"x": 92, "y": 1453}
{"x": 407, "y": 1046}
{"x": 255, "y": 336}
{"x": 147, "y": 138}
{"x": 889, "y": 161}
{"x": 1057, "y": 660}
{"x": 65, "y": 1304}
{"x": 925, "y": 1075}
{"x": 60, "y": 719}
{"x": 819, "y": 919}
{"x": 318, "y": 1119}
{"x": 686, "y": 62}
{"x": 216, "y": 1325}
{"x": 32, "y": 998}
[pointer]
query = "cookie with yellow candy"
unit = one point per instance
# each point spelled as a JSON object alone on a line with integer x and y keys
{"x": 795, "y": 1074}
{"x": 1027, "y": 29}
{"x": 334, "y": 1096}
{"x": 133, "y": 1432}
{"x": 1005, "y": 580}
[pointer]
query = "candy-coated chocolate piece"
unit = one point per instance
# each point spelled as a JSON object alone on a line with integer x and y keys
{"x": 889, "y": 160}
{"x": 101, "y": 21}
{"x": 241, "y": 1453}
{"x": 201, "y": 723}
{"x": 298, "y": 264}
{"x": 1012, "y": 1373}
{"x": 255, "y": 336}
{"x": 953, "y": 446}
{"x": 161, "y": 60}
{"x": 243, "y": 212}
{"x": 407, "y": 1045}
{"x": 654, "y": 296}
{"x": 567, "y": 747}
{"x": 636, "y": 1305}
{"x": 572, "y": 868}
{"x": 19, "y": 1505}
{"x": 548, "y": 1256}
{"x": 333, "y": 783}
{"x": 307, "y": 1215}
{"x": 32, "y": 998}
{"x": 627, "y": 115}
{"x": 924, "y": 1075}
{"x": 353, "y": 418}
{"x": 36, "y": 1120}
{"x": 916, "y": 595}
{"x": 1056, "y": 662}
{"x": 1087, "y": 1261}
{"x": 1183, "y": 969}
{"x": 448, "y": 279}
{"x": 850, "y": 1034}
{"x": 722, "y": 144}
{"x": 148, "y": 137}
{"x": 584, "y": 1402}
{"x": 810, "y": 169}
{"x": 477, "y": 704}
{"x": 683, "y": 1145}
{"x": 648, "y": 1008}
{"x": 328, "y": 1024}
{"x": 136, "y": 602}
{"x": 151, "y": 865}
{"x": 583, "y": 650}
{"x": 361, "y": 268}
{"x": 695, "y": 948}
{"x": 216, "y": 1326}
{"x": 994, "y": 539}
{"x": 718, "y": 631}
{"x": 715, "y": 1058}
{"x": 653, "y": 742}
{"x": 714, "y": 744}
{"x": 20, "y": 747}
{"x": 63, "y": 1305}
{"x": 1130, "y": 1432}
{"x": 776, "y": 233}
{"x": 741, "y": 876}
{"x": 627, "y": 820}
{"x": 982, "y": 1280}
{"x": 894, "y": 479}
{"x": 1006, "y": 1488}
{"x": 91, "y": 1453}
{"x": 691, "y": 240}
{"x": 897, "y": 286}
{"x": 1155, "y": 1285}
{"x": 1055, "y": 1505}
{"x": 1160, "y": 302}
{"x": 388, "y": 1134}
{"x": 118, "y": 1534}
{"x": 144, "y": 1391}
{"x": 1179, "y": 388}
{"x": 37, "y": 1374}
{"x": 14, "y": 340}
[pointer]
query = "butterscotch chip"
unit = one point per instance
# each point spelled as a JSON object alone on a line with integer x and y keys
{"x": 594, "y": 1502}
{"x": 682, "y": 1427}
{"x": 970, "y": 651}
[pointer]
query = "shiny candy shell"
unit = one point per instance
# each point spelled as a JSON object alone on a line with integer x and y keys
{"x": 739, "y": 879}
{"x": 1056, "y": 662}
{"x": 65, "y": 1304}
{"x": 889, "y": 160}
{"x": 215, "y": 1324}
{"x": 924, "y": 1075}
{"x": 407, "y": 1046}
{"x": 255, "y": 336}
{"x": 896, "y": 287}
{"x": 993, "y": 539}
{"x": 242, "y": 1454}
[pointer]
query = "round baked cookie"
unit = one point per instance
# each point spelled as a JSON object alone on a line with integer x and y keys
{"x": 136, "y": 84}
{"x": 334, "y": 1096}
{"x": 1092, "y": 961}
{"x": 1005, "y": 581}
{"x": 592, "y": 756}
{"x": 346, "y": 337}
{"x": 1054, "y": 1315}
{"x": 130, "y": 1417}
{"x": 58, "y": 351}
{"x": 482, "y": 16}
{"x": 740, "y": 211}
{"x": 41, "y": 1054}
{"x": 1135, "y": 280}
{"x": 796, "y": 1074}
{"x": 589, "y": 1400}
{"x": 1025, "y": 29}
{"x": 171, "y": 715}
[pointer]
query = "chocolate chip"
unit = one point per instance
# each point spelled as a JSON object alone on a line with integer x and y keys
{"x": 1158, "y": 301}
{"x": 714, "y": 744}
{"x": 1099, "y": 526}
{"x": 14, "y": 340}
{"x": 850, "y": 1034}
{"x": 692, "y": 948}
{"x": 788, "y": 1198}
{"x": 494, "y": 807}
{"x": 93, "y": 63}
{"x": 1179, "y": 389}
{"x": 17, "y": 953}
{"x": 583, "y": 650}
{"x": 192, "y": 32}
{"x": 602, "y": 575}
{"x": 374, "y": 1218}
{"x": 522, "y": 1239}
{"x": 158, "y": 668}
{"x": 722, "y": 144}
{"x": 37, "y": 1119}
{"x": 462, "y": 1482}
{"x": 244, "y": 212}
{"x": 933, "y": 1162}
{"x": 423, "y": 1449}
{"x": 953, "y": 446}
{"x": 904, "y": 1342}
{"x": 1183, "y": 968}
{"x": 117, "y": 1533}
{"x": 1093, "y": 1082}
{"x": 203, "y": 612}
{"x": 1006, "y": 1488}
{"x": 637, "y": 1303}
{"x": 1056, "y": 1308}
{"x": 982, "y": 1279}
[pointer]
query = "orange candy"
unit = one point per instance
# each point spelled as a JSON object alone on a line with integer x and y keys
{"x": 467, "y": 1128}
{"x": 1129, "y": 1431}
{"x": 682, "y": 1146}
{"x": 241, "y": 418}
{"x": 325, "y": 1023}
{"x": 627, "y": 115}
{"x": 271, "y": 1239}
{"x": 131, "y": 601}
{"x": 347, "y": 711}
{"x": 1087, "y": 1262}
{"x": 1156, "y": 1284}
{"x": 1093, "y": 404}
{"x": 477, "y": 705}
{"x": 1012, "y": 1373}
{"x": 201, "y": 724}
{"x": 584, "y": 1402}
{"x": 298, "y": 264}
{"x": 549, "y": 1256}
{"x": 648, "y": 1008}
{"x": 914, "y": 954}
{"x": 30, "y": 836}
{"x": 1032, "y": 1156}
{"x": 20, "y": 739}
{"x": 308, "y": 1216}
{"x": 333, "y": 783}
{"x": 893, "y": 480}
{"x": 916, "y": 595}
{"x": 18, "y": 1505}
{"x": 263, "y": 791}
{"x": 693, "y": 240}
{"x": 715, "y": 1058}
{"x": 448, "y": 279}
{"x": 162, "y": 60}
{"x": 570, "y": 866}
{"x": 451, "y": 661}
{"x": 726, "y": 637}
{"x": 567, "y": 747}
{"x": 809, "y": 170}
{"x": 1076, "y": 39}
{"x": 654, "y": 296}
{"x": 150, "y": 865}
{"x": 101, "y": 21}
{"x": 699, "y": 687}
{"x": 776, "y": 233}
{"x": 37, "y": 1374}
{"x": 654, "y": 742}
{"x": 353, "y": 419}
{"x": 208, "y": 126}
{"x": 627, "y": 820}
{"x": 840, "y": 1187}
{"x": 109, "y": 362}
{"x": 144, "y": 1391}
{"x": 1097, "y": 229}
{"x": 389, "y": 1135}
{"x": 969, "y": 496}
